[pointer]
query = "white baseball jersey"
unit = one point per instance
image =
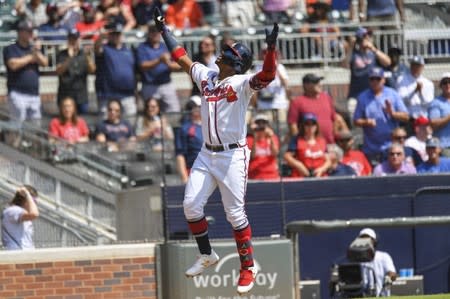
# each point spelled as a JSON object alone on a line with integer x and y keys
{"x": 224, "y": 105}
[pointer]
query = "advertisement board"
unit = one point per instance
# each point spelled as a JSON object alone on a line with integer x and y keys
{"x": 273, "y": 259}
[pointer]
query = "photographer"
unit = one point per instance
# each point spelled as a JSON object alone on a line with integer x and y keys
{"x": 381, "y": 266}
{"x": 264, "y": 146}
{"x": 17, "y": 228}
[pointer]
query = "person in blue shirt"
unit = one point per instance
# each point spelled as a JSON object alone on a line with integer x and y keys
{"x": 22, "y": 60}
{"x": 381, "y": 11}
{"x": 378, "y": 112}
{"x": 396, "y": 68}
{"x": 189, "y": 139}
{"x": 365, "y": 56}
{"x": 337, "y": 168}
{"x": 439, "y": 114}
{"x": 52, "y": 30}
{"x": 155, "y": 66}
{"x": 114, "y": 131}
{"x": 435, "y": 163}
{"x": 115, "y": 78}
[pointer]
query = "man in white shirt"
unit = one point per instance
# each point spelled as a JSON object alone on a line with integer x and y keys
{"x": 416, "y": 91}
{"x": 380, "y": 272}
{"x": 422, "y": 131}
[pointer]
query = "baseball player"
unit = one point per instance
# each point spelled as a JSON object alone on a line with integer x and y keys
{"x": 224, "y": 157}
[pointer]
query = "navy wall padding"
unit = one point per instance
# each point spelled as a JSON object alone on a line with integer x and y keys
{"x": 271, "y": 205}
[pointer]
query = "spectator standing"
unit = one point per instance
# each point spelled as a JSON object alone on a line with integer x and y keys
{"x": 306, "y": 153}
{"x": 264, "y": 146}
{"x": 52, "y": 30}
{"x": 143, "y": 11}
{"x": 396, "y": 69}
{"x": 337, "y": 167}
{"x": 439, "y": 112}
{"x": 396, "y": 163}
{"x": 238, "y": 13}
{"x": 416, "y": 91}
{"x": 378, "y": 112}
{"x": 73, "y": 65}
{"x": 423, "y": 131}
{"x": 68, "y": 125}
{"x": 314, "y": 101}
{"x": 277, "y": 11}
{"x": 206, "y": 55}
{"x": 435, "y": 163}
{"x": 111, "y": 11}
{"x": 33, "y": 11}
{"x": 115, "y": 78}
{"x": 352, "y": 157}
{"x": 88, "y": 26}
{"x": 184, "y": 14}
{"x": 153, "y": 127}
{"x": 381, "y": 11}
{"x": 114, "y": 131}
{"x": 189, "y": 139}
{"x": 274, "y": 95}
{"x": 17, "y": 226}
{"x": 156, "y": 65}
{"x": 365, "y": 56}
{"x": 22, "y": 60}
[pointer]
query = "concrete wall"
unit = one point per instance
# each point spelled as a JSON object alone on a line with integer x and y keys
{"x": 113, "y": 272}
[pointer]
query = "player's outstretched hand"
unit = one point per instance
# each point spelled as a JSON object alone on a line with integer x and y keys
{"x": 159, "y": 19}
{"x": 271, "y": 38}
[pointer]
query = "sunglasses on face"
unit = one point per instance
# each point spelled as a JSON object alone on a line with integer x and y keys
{"x": 309, "y": 123}
{"x": 400, "y": 137}
{"x": 375, "y": 79}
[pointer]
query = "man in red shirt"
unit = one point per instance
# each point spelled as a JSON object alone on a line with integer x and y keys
{"x": 353, "y": 158}
{"x": 89, "y": 28}
{"x": 315, "y": 101}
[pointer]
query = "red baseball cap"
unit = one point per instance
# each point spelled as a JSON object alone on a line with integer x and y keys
{"x": 421, "y": 121}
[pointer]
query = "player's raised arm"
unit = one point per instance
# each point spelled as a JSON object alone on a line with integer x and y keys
{"x": 269, "y": 69}
{"x": 178, "y": 52}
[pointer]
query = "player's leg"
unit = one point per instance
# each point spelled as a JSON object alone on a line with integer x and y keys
{"x": 199, "y": 187}
{"x": 233, "y": 188}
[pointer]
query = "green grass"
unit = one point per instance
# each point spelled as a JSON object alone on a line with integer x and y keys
{"x": 438, "y": 296}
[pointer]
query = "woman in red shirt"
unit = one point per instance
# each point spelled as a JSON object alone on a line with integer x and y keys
{"x": 264, "y": 146}
{"x": 306, "y": 153}
{"x": 68, "y": 125}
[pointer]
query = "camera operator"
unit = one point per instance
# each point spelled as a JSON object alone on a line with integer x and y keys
{"x": 381, "y": 267}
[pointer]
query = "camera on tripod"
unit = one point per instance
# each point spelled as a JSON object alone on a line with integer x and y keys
{"x": 347, "y": 280}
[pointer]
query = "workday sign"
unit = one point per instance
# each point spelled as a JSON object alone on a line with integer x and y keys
{"x": 273, "y": 259}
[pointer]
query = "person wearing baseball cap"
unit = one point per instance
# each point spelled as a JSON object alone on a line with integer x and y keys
{"x": 365, "y": 57}
{"x": 316, "y": 101}
{"x": 306, "y": 153}
{"x": 23, "y": 59}
{"x": 115, "y": 71}
{"x": 378, "y": 112}
{"x": 415, "y": 89}
{"x": 397, "y": 67}
{"x": 422, "y": 131}
{"x": 382, "y": 266}
{"x": 88, "y": 26}
{"x": 353, "y": 157}
{"x": 52, "y": 30}
{"x": 435, "y": 163}
{"x": 73, "y": 65}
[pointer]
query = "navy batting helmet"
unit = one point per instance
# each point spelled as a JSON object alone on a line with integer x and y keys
{"x": 238, "y": 56}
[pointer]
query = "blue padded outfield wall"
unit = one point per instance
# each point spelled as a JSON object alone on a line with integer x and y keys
{"x": 271, "y": 205}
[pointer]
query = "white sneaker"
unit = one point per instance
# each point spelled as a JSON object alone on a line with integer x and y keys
{"x": 246, "y": 280}
{"x": 203, "y": 261}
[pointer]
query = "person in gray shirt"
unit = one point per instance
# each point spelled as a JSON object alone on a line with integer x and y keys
{"x": 17, "y": 226}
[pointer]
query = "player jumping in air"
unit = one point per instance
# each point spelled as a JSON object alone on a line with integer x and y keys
{"x": 224, "y": 157}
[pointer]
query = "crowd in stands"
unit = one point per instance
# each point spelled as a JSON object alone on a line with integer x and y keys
{"x": 393, "y": 103}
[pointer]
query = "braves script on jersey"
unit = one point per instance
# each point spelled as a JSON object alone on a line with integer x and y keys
{"x": 224, "y": 105}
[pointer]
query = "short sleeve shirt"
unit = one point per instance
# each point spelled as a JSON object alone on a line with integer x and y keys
{"x": 311, "y": 155}
{"x": 115, "y": 132}
{"x": 443, "y": 166}
{"x": 188, "y": 142}
{"x": 159, "y": 74}
{"x": 224, "y": 105}
{"x": 69, "y": 131}
{"x": 381, "y": 265}
{"x": 263, "y": 164}
{"x": 439, "y": 108}
{"x": 16, "y": 234}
